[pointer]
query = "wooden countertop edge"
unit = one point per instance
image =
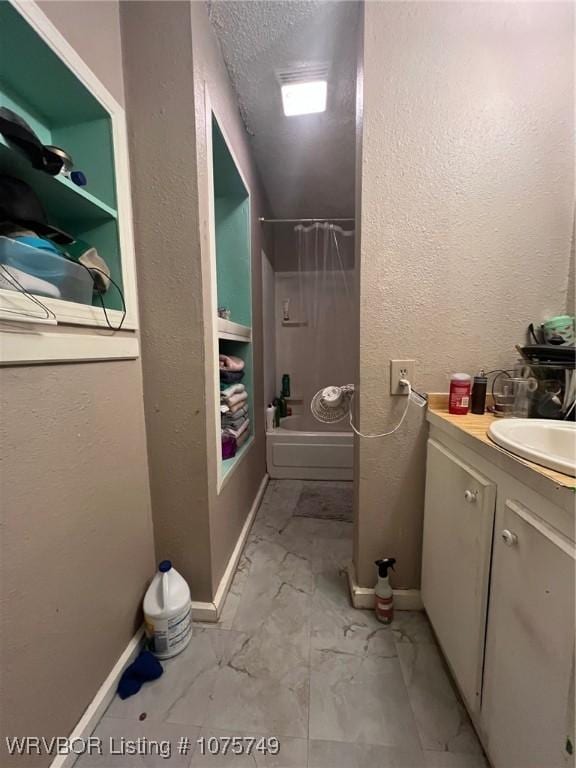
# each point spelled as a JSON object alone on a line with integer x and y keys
{"x": 471, "y": 430}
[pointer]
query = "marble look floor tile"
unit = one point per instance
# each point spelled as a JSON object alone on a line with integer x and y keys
{"x": 278, "y": 504}
{"x": 262, "y": 686}
{"x": 249, "y": 673}
{"x": 293, "y": 753}
{"x": 454, "y": 760}
{"x": 117, "y": 734}
{"x": 182, "y": 693}
{"x": 412, "y": 627}
{"x": 331, "y": 553}
{"x": 442, "y": 721}
{"x": 338, "y": 754}
{"x": 338, "y": 626}
{"x": 360, "y": 699}
{"x": 277, "y": 596}
{"x": 233, "y": 599}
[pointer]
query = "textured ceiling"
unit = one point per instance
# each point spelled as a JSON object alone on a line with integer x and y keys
{"x": 306, "y": 162}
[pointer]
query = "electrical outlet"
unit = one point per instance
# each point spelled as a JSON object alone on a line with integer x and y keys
{"x": 401, "y": 369}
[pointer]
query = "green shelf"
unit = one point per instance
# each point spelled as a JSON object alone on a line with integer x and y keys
{"x": 37, "y": 85}
{"x": 61, "y": 198}
{"x": 232, "y": 229}
{"x": 232, "y": 225}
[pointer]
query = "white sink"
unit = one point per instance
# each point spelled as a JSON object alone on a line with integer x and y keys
{"x": 549, "y": 443}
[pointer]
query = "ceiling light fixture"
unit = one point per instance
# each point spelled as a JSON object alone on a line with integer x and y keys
{"x": 304, "y": 98}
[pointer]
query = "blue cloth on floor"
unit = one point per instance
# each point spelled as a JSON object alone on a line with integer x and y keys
{"x": 146, "y": 667}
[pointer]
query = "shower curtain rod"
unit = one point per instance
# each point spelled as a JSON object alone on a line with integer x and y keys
{"x": 262, "y": 220}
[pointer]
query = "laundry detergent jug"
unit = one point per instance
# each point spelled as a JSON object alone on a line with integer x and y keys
{"x": 168, "y": 612}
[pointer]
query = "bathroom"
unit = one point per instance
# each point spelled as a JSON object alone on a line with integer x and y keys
{"x": 408, "y": 222}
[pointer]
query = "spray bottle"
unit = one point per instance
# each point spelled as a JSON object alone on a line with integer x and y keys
{"x": 384, "y": 596}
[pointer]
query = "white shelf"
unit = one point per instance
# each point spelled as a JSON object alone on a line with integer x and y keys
{"x": 233, "y": 331}
{"x": 294, "y": 323}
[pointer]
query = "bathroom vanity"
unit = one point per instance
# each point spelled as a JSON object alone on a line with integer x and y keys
{"x": 498, "y": 584}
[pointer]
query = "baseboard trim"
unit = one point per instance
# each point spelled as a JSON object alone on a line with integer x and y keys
{"x": 100, "y": 702}
{"x": 363, "y": 597}
{"x": 204, "y": 611}
{"x": 210, "y": 612}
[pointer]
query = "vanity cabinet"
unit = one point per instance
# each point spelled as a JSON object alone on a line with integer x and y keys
{"x": 530, "y": 641}
{"x": 460, "y": 506}
{"x": 498, "y": 584}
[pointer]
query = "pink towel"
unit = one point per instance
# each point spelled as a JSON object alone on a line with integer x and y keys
{"x": 230, "y": 363}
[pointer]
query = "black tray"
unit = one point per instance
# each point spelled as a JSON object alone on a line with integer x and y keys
{"x": 549, "y": 353}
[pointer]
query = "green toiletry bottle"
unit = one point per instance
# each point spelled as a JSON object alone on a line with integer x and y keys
{"x": 285, "y": 385}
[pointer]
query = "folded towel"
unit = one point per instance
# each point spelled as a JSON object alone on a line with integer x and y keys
{"x": 233, "y": 389}
{"x": 230, "y": 410}
{"x": 235, "y": 408}
{"x": 234, "y": 419}
{"x": 242, "y": 439}
{"x": 240, "y": 431}
{"x": 230, "y": 377}
{"x": 233, "y": 400}
{"x": 231, "y": 363}
{"x": 243, "y": 409}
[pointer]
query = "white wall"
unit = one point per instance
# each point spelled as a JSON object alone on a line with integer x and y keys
{"x": 467, "y": 196}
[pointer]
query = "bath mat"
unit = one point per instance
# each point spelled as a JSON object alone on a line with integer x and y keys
{"x": 326, "y": 501}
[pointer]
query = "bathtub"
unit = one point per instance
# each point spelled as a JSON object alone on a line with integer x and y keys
{"x": 297, "y": 450}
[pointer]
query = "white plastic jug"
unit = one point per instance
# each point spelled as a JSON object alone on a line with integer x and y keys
{"x": 168, "y": 612}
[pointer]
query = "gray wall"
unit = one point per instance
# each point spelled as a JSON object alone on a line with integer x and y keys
{"x": 570, "y": 299}
{"x": 170, "y": 55}
{"x": 161, "y": 123}
{"x": 466, "y": 217}
{"x": 229, "y": 508}
{"x": 76, "y": 550}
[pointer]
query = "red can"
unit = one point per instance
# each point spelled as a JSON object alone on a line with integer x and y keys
{"x": 460, "y": 387}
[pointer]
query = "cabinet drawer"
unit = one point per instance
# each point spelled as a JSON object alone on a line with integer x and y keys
{"x": 458, "y": 526}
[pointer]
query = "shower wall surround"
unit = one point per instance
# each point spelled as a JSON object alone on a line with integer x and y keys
{"x": 319, "y": 351}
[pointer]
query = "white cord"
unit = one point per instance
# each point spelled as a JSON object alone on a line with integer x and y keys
{"x": 404, "y": 383}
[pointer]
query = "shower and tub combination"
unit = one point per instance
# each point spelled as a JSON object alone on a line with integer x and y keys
{"x": 312, "y": 299}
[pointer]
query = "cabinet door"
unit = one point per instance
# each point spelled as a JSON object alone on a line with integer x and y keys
{"x": 458, "y": 525}
{"x": 530, "y": 642}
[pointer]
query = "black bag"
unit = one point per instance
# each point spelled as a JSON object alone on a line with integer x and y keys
{"x": 20, "y": 136}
